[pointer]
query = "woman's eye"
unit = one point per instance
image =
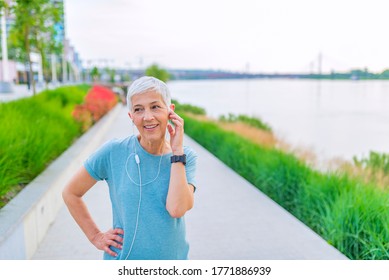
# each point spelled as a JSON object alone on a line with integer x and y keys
{"x": 155, "y": 107}
{"x": 137, "y": 110}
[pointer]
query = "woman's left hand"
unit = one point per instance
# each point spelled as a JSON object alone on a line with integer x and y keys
{"x": 176, "y": 133}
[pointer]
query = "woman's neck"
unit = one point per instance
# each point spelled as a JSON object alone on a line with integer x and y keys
{"x": 154, "y": 147}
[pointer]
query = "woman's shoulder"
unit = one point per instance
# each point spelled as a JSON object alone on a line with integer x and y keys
{"x": 123, "y": 140}
{"x": 117, "y": 143}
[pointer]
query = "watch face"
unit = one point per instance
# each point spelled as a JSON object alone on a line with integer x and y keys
{"x": 176, "y": 158}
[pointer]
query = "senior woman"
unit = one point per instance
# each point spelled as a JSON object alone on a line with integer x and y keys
{"x": 151, "y": 181}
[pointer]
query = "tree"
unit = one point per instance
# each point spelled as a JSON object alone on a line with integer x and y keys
{"x": 33, "y": 31}
{"x": 111, "y": 74}
{"x": 45, "y": 35}
{"x": 155, "y": 71}
{"x": 95, "y": 73}
{"x": 385, "y": 74}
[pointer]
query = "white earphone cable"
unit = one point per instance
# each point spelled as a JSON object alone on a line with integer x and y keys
{"x": 137, "y": 160}
{"x": 140, "y": 199}
{"x": 132, "y": 180}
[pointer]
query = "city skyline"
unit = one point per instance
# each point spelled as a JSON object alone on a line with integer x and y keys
{"x": 251, "y": 36}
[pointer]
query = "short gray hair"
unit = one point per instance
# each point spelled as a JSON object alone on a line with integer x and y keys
{"x": 145, "y": 84}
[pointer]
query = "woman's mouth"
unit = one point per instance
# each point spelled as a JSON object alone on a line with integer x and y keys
{"x": 150, "y": 126}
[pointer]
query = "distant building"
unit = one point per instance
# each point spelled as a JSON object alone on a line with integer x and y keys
{"x": 18, "y": 71}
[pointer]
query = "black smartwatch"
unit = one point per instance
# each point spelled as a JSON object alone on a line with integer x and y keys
{"x": 181, "y": 158}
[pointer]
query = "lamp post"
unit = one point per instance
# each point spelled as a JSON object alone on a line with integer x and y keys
{"x": 5, "y": 84}
{"x": 64, "y": 63}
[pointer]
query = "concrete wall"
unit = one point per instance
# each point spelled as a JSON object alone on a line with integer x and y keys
{"x": 25, "y": 220}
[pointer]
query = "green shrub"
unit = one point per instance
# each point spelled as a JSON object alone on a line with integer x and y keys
{"x": 251, "y": 121}
{"x": 65, "y": 95}
{"x": 375, "y": 161}
{"x": 187, "y": 108}
{"x": 352, "y": 216}
{"x": 33, "y": 132}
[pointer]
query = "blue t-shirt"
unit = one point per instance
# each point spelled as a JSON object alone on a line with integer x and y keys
{"x": 158, "y": 236}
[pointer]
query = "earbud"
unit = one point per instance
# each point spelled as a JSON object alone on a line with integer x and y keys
{"x": 137, "y": 159}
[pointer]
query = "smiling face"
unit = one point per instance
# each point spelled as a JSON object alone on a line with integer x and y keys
{"x": 150, "y": 115}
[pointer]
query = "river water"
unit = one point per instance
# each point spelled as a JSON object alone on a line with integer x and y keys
{"x": 335, "y": 119}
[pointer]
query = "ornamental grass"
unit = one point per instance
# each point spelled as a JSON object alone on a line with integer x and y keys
{"x": 36, "y": 130}
{"x": 350, "y": 214}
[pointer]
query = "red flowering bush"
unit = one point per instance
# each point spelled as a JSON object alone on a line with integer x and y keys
{"x": 98, "y": 101}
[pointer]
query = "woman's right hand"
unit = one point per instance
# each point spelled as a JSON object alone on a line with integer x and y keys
{"x": 103, "y": 240}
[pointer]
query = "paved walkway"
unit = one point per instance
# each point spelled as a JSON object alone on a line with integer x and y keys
{"x": 231, "y": 219}
{"x": 19, "y": 91}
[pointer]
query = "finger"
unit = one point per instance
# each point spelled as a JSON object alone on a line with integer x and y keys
{"x": 176, "y": 117}
{"x": 118, "y": 231}
{"x": 110, "y": 252}
{"x": 119, "y": 239}
{"x": 115, "y": 244}
{"x": 115, "y": 237}
{"x": 177, "y": 122}
{"x": 170, "y": 129}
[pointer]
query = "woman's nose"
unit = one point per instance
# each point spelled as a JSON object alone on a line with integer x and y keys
{"x": 148, "y": 115}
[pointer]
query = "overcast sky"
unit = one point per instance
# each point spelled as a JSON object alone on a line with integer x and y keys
{"x": 258, "y": 35}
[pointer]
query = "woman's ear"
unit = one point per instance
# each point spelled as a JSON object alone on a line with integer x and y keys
{"x": 172, "y": 107}
{"x": 129, "y": 114}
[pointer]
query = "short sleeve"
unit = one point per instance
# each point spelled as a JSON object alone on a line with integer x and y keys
{"x": 98, "y": 163}
{"x": 190, "y": 167}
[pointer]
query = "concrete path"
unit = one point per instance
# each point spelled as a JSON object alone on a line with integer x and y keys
{"x": 231, "y": 219}
{"x": 19, "y": 91}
